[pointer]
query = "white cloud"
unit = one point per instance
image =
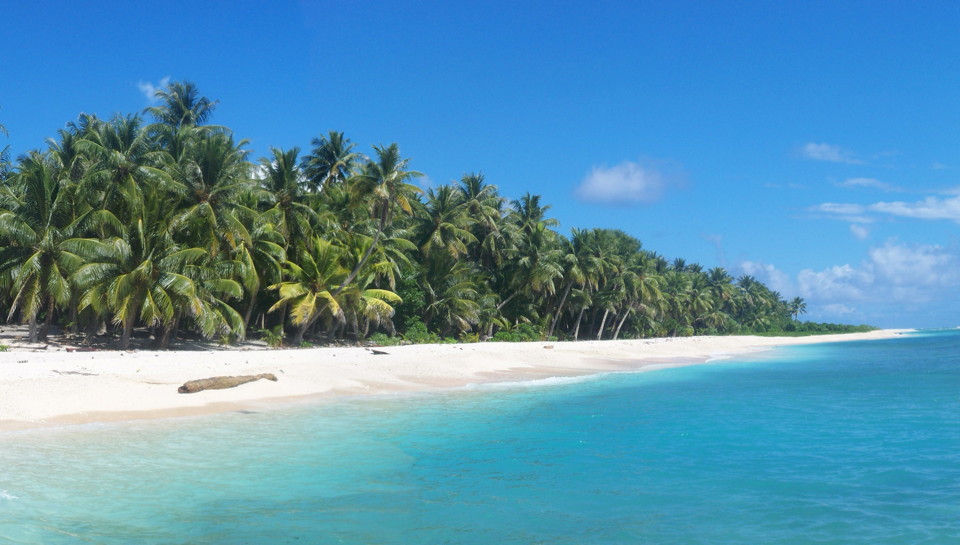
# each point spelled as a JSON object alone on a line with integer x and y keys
{"x": 149, "y": 90}
{"x": 829, "y": 153}
{"x": 624, "y": 184}
{"x": 773, "y": 277}
{"x": 867, "y": 182}
{"x": 931, "y": 208}
{"x": 893, "y": 272}
{"x": 937, "y": 165}
{"x": 840, "y": 282}
{"x": 854, "y": 213}
{"x": 839, "y": 208}
{"x": 838, "y": 309}
{"x": 859, "y": 231}
{"x": 915, "y": 266}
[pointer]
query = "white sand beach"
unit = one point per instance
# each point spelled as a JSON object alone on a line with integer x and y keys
{"x": 55, "y": 386}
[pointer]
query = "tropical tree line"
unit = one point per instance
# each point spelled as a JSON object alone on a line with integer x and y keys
{"x": 161, "y": 224}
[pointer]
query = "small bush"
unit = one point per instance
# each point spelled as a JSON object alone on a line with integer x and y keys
{"x": 383, "y": 339}
{"x": 273, "y": 337}
{"x": 519, "y": 334}
{"x": 417, "y": 333}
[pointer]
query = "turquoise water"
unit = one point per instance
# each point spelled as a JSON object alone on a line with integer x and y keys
{"x": 844, "y": 443}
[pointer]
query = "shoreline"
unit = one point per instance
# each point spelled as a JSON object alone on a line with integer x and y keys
{"x": 54, "y": 388}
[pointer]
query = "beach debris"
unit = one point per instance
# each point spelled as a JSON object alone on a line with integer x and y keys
{"x": 220, "y": 383}
{"x": 548, "y": 346}
{"x": 377, "y": 352}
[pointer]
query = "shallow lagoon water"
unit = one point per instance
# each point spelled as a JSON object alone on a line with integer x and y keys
{"x": 853, "y": 442}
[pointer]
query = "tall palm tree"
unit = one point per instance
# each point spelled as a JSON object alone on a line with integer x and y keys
{"x": 384, "y": 185}
{"x": 797, "y": 307}
{"x": 308, "y": 293}
{"x": 181, "y": 105}
{"x": 282, "y": 178}
{"x": 139, "y": 276}
{"x": 36, "y": 222}
{"x": 212, "y": 174}
{"x": 331, "y": 161}
{"x": 125, "y": 166}
{"x": 258, "y": 247}
{"x": 443, "y": 223}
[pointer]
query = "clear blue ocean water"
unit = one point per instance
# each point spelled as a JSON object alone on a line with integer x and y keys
{"x": 839, "y": 443}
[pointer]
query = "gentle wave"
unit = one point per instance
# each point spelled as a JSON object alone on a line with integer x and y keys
{"x": 4, "y": 495}
{"x": 535, "y": 383}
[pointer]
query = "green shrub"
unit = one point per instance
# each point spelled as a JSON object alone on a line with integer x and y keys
{"x": 273, "y": 337}
{"x": 383, "y": 339}
{"x": 417, "y": 333}
{"x": 518, "y": 334}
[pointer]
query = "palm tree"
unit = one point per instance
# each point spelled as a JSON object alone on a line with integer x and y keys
{"x": 125, "y": 166}
{"x": 451, "y": 294}
{"x": 282, "y": 178}
{"x": 36, "y": 223}
{"x": 797, "y": 307}
{"x": 308, "y": 293}
{"x": 331, "y": 161}
{"x": 383, "y": 184}
{"x": 212, "y": 173}
{"x": 182, "y": 105}
{"x": 443, "y": 223}
{"x": 138, "y": 276}
{"x": 259, "y": 249}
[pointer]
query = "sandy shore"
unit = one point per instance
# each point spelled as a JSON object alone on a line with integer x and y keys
{"x": 53, "y": 387}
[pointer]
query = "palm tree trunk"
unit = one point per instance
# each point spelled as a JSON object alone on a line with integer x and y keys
{"x": 366, "y": 255}
{"x": 48, "y": 319}
{"x": 620, "y": 325}
{"x": 249, "y": 313}
{"x": 32, "y": 331}
{"x": 602, "y": 324}
{"x": 127, "y": 331}
{"x": 576, "y": 328}
{"x": 563, "y": 301}
{"x": 507, "y": 300}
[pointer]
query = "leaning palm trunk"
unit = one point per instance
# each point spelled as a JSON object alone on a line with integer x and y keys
{"x": 249, "y": 313}
{"x": 576, "y": 328}
{"x": 623, "y": 319}
{"x": 563, "y": 301}
{"x": 603, "y": 322}
{"x": 507, "y": 300}
{"x": 384, "y": 208}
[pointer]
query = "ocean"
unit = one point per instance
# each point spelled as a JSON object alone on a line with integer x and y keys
{"x": 855, "y": 442}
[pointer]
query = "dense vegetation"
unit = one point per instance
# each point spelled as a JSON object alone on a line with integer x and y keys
{"x": 168, "y": 227}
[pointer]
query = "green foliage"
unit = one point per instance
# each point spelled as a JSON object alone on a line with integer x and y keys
{"x": 417, "y": 333}
{"x": 273, "y": 336}
{"x": 4, "y": 348}
{"x": 519, "y": 334}
{"x": 382, "y": 339}
{"x": 169, "y": 225}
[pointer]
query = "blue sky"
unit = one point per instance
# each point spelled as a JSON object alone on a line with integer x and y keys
{"x": 815, "y": 145}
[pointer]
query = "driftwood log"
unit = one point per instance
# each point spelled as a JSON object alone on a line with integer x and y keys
{"x": 219, "y": 383}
